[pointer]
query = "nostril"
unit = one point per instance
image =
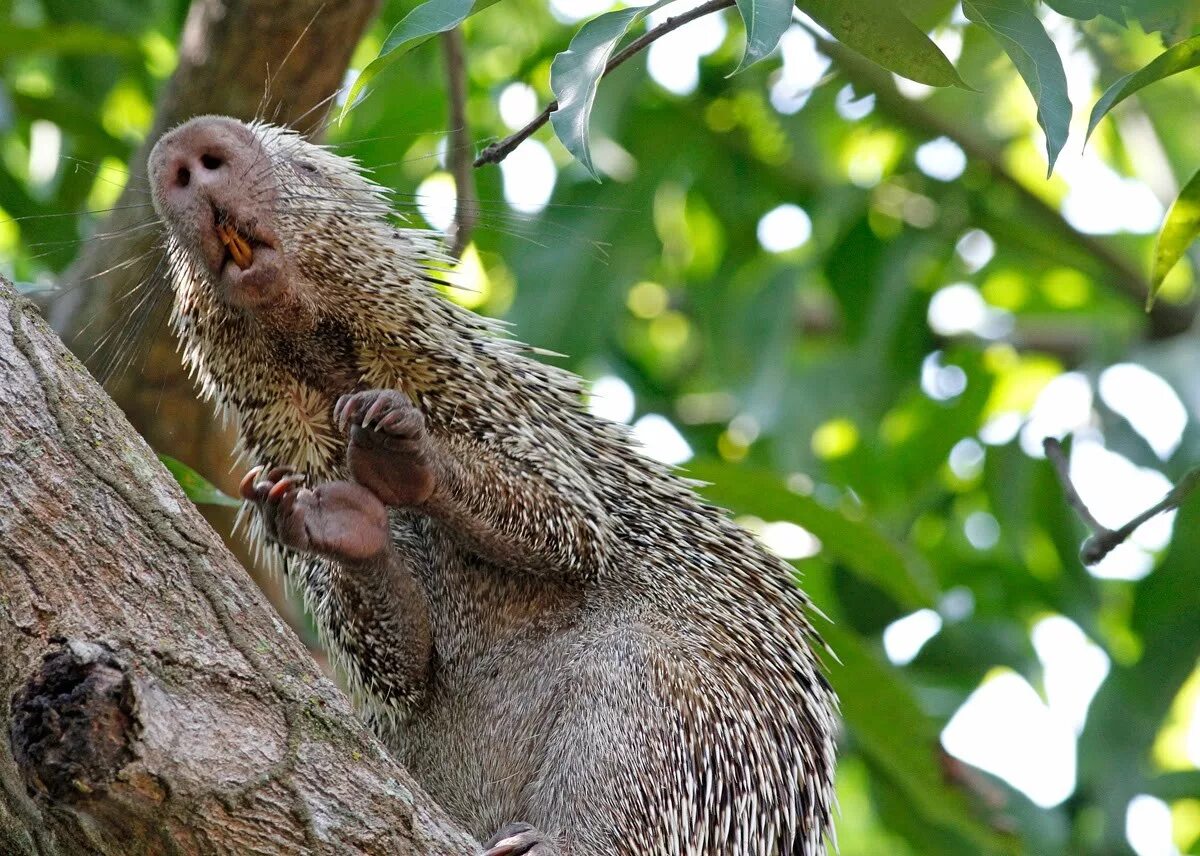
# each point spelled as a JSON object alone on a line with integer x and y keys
{"x": 210, "y": 161}
{"x": 183, "y": 176}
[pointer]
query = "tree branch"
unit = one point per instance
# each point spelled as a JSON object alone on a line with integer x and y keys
{"x": 1102, "y": 540}
{"x": 501, "y": 149}
{"x": 241, "y": 58}
{"x": 466, "y": 207}
{"x": 150, "y": 700}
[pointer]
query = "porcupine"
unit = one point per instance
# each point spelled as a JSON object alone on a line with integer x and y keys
{"x": 568, "y": 648}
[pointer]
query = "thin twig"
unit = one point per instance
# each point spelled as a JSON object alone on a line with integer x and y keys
{"x": 1102, "y": 540}
{"x": 1058, "y": 456}
{"x": 501, "y": 149}
{"x": 459, "y": 151}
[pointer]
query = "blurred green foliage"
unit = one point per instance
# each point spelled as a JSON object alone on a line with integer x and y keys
{"x": 836, "y": 384}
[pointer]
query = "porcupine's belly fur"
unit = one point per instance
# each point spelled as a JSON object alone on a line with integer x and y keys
{"x": 475, "y": 739}
{"x": 540, "y": 723}
{"x": 543, "y": 700}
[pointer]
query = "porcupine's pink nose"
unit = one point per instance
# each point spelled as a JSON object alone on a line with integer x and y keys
{"x": 200, "y": 160}
{"x": 205, "y": 157}
{"x": 213, "y": 186}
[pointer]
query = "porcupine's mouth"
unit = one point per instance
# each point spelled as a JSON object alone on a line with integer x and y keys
{"x": 239, "y": 247}
{"x": 244, "y": 259}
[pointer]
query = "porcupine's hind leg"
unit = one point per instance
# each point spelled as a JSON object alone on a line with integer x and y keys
{"x": 372, "y": 610}
{"x": 614, "y": 772}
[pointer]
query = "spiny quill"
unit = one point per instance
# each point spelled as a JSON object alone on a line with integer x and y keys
{"x": 623, "y": 666}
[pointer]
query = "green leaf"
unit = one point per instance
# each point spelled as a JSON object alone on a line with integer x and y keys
{"x": 892, "y": 730}
{"x": 426, "y": 20}
{"x": 878, "y": 30}
{"x": 856, "y": 543}
{"x": 1179, "y": 229}
{"x": 766, "y": 21}
{"x": 1024, "y": 39}
{"x": 927, "y": 14}
{"x": 1181, "y": 57}
{"x": 575, "y": 74}
{"x": 1173, "y": 19}
{"x": 1085, "y": 10}
{"x": 197, "y": 488}
{"x": 65, "y": 39}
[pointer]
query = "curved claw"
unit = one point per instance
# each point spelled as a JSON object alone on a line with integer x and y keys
{"x": 246, "y": 486}
{"x": 381, "y": 404}
{"x": 339, "y": 411}
{"x": 284, "y": 485}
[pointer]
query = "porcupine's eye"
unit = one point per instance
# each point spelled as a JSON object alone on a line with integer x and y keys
{"x": 307, "y": 166}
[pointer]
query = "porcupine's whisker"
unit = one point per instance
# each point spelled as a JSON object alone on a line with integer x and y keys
{"x": 270, "y": 77}
{"x": 138, "y": 338}
{"x": 127, "y": 230}
{"x": 142, "y": 258}
{"x": 495, "y": 218}
{"x": 502, "y": 207}
{"x": 62, "y": 289}
{"x": 349, "y": 142}
{"x": 125, "y": 338}
{"x": 59, "y": 289}
{"x": 498, "y": 225}
{"x": 120, "y": 265}
{"x": 127, "y": 333}
{"x": 74, "y": 214}
{"x": 48, "y": 247}
{"x": 135, "y": 180}
{"x": 324, "y": 124}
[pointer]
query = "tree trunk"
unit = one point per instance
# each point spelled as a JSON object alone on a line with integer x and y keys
{"x": 152, "y": 701}
{"x": 241, "y": 58}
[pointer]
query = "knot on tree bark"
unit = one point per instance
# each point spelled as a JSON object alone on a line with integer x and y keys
{"x": 74, "y": 722}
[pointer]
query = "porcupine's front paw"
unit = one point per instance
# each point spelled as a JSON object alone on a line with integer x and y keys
{"x": 389, "y": 450}
{"x": 339, "y": 520}
{"x": 520, "y": 839}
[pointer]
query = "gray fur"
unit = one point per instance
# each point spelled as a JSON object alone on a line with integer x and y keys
{"x": 611, "y": 659}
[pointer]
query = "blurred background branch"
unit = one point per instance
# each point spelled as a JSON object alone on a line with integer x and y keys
{"x": 1103, "y": 540}
{"x": 501, "y": 149}
{"x": 243, "y": 58}
{"x": 459, "y": 152}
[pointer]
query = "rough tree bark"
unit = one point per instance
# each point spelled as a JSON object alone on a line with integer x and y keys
{"x": 238, "y": 58}
{"x": 151, "y": 700}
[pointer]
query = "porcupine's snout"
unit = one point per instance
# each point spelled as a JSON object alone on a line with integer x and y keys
{"x": 214, "y": 187}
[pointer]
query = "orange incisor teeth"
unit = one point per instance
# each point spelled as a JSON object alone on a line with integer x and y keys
{"x": 239, "y": 248}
